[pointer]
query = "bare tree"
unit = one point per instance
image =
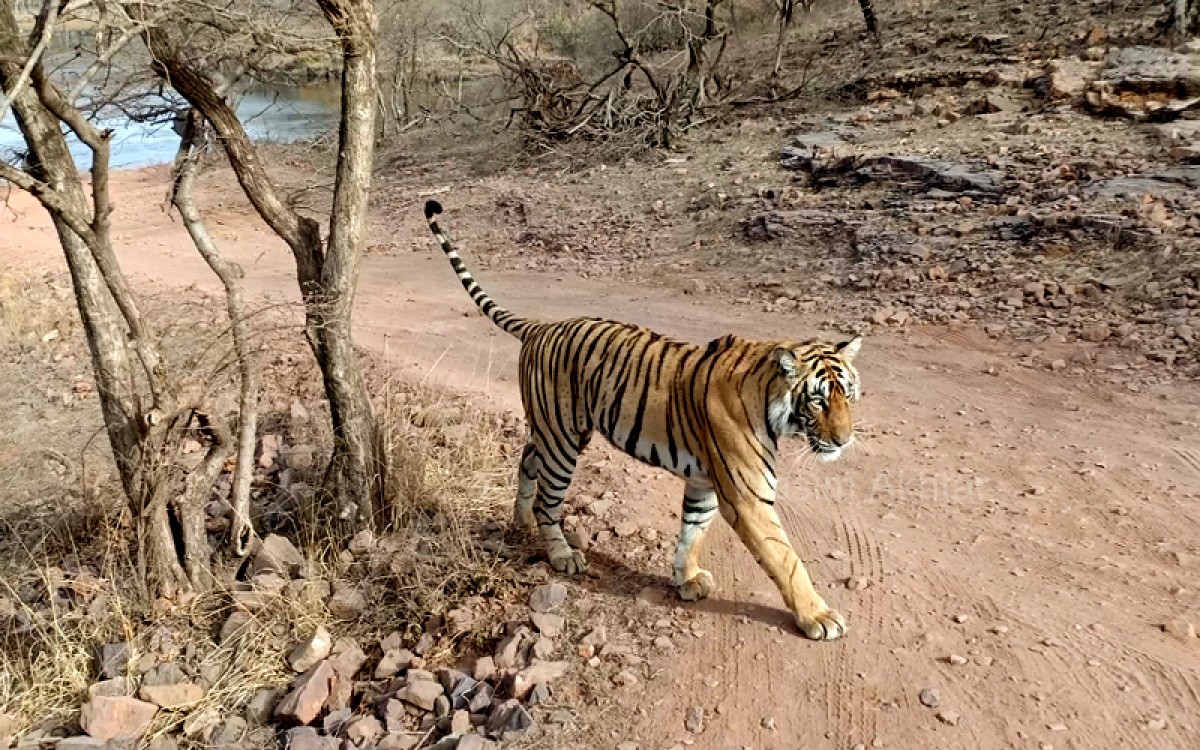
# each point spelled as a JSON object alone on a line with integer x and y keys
{"x": 187, "y": 166}
{"x": 649, "y": 98}
{"x": 327, "y": 270}
{"x": 147, "y": 409}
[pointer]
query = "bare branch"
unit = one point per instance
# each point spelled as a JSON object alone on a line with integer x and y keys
{"x": 45, "y": 30}
{"x": 55, "y": 202}
{"x": 187, "y": 165}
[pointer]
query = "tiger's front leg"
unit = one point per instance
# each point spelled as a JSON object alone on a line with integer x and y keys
{"x": 699, "y": 508}
{"x": 757, "y": 525}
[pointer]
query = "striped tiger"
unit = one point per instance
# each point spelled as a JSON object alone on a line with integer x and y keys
{"x": 711, "y": 414}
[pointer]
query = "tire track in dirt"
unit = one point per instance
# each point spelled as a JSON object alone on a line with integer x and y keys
{"x": 1077, "y": 557}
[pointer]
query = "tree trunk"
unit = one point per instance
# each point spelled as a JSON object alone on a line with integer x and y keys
{"x": 103, "y": 325}
{"x": 868, "y": 12}
{"x": 356, "y": 469}
{"x": 144, "y": 412}
{"x": 187, "y": 165}
{"x": 327, "y": 276}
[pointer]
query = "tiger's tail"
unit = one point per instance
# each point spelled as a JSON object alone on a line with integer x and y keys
{"x": 506, "y": 320}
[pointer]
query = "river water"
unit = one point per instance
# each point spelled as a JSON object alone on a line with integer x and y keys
{"x": 275, "y": 113}
{"x": 278, "y": 113}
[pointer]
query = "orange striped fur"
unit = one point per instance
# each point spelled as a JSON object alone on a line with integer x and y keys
{"x": 712, "y": 414}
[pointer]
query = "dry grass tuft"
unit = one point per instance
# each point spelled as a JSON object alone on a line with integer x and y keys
{"x": 68, "y": 583}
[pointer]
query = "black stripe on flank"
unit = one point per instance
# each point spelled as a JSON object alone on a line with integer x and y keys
{"x": 635, "y": 432}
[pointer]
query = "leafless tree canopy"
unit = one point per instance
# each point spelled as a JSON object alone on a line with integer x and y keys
{"x": 149, "y": 408}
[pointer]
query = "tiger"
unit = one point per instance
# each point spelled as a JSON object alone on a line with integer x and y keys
{"x": 712, "y": 414}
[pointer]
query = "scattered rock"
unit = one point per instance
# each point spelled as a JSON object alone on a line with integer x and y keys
{"x": 930, "y": 697}
{"x": 460, "y": 722}
{"x": 347, "y": 658}
{"x": 109, "y": 688}
{"x": 485, "y": 668}
{"x": 1069, "y": 78}
{"x": 625, "y": 678}
{"x": 313, "y": 649}
{"x": 473, "y": 742}
{"x": 308, "y": 695}
{"x": 116, "y": 718}
{"x": 278, "y": 555}
{"x": 625, "y": 529}
{"x": 401, "y": 741}
{"x": 956, "y": 660}
{"x": 307, "y": 738}
{"x": 393, "y": 661}
{"x": 261, "y": 706}
{"x": 347, "y": 602}
{"x": 548, "y": 625}
{"x": 362, "y": 729}
{"x": 948, "y": 717}
{"x": 548, "y": 597}
{"x": 541, "y": 673}
{"x": 509, "y": 651}
{"x": 177, "y": 695}
{"x": 694, "y": 721}
{"x": 421, "y": 693}
{"x": 112, "y": 659}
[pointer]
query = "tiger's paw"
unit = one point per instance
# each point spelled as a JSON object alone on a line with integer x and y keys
{"x": 826, "y": 626}
{"x": 567, "y": 560}
{"x": 523, "y": 521}
{"x": 697, "y": 587}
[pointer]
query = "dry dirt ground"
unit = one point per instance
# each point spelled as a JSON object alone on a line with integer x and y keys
{"x": 1013, "y": 538}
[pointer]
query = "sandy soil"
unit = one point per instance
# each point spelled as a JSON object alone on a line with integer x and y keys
{"x": 1013, "y": 538}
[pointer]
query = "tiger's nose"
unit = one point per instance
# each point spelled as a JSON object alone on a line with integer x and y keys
{"x": 842, "y": 441}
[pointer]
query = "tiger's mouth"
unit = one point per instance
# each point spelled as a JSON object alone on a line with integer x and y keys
{"x": 827, "y": 450}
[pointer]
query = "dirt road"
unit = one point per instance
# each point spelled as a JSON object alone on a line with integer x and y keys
{"x": 1013, "y": 539}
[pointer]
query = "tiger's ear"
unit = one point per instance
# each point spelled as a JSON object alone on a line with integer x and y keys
{"x": 787, "y": 363}
{"x": 849, "y": 349}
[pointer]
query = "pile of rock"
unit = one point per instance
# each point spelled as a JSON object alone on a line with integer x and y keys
{"x": 340, "y": 698}
{"x": 402, "y": 704}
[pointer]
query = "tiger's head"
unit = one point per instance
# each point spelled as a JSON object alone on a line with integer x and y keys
{"x": 813, "y": 394}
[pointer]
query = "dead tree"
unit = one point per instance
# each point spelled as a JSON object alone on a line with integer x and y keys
{"x": 147, "y": 409}
{"x": 326, "y": 269}
{"x": 635, "y": 99}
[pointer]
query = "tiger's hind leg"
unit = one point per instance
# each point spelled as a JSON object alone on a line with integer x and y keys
{"x": 527, "y": 488}
{"x": 699, "y": 509}
{"x": 553, "y": 478}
